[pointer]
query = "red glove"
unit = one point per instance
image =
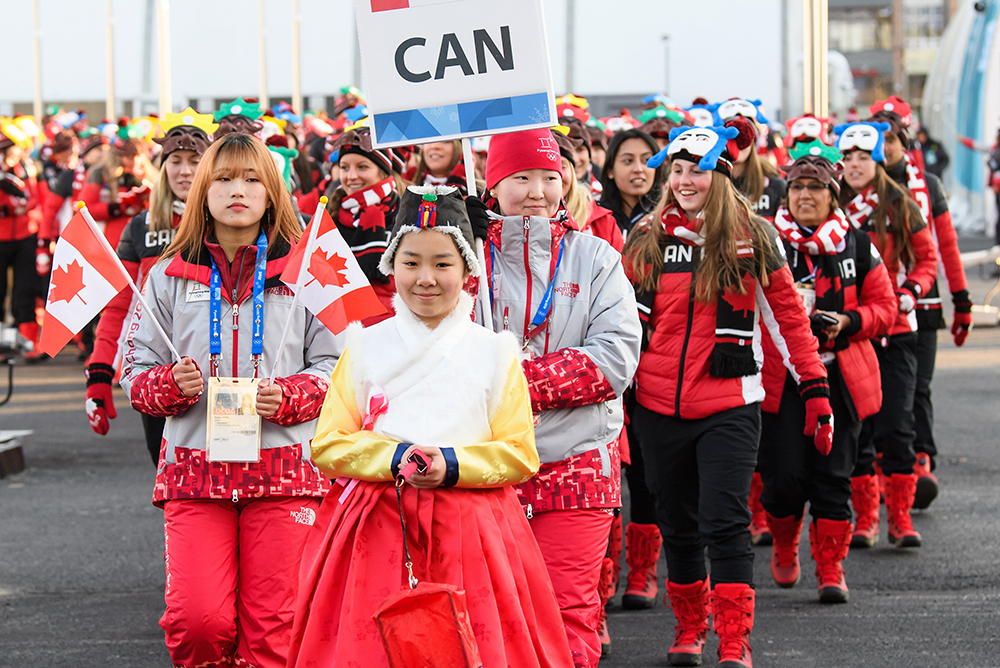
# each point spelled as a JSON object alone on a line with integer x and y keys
{"x": 100, "y": 404}
{"x": 819, "y": 415}
{"x": 962, "y": 322}
{"x": 43, "y": 257}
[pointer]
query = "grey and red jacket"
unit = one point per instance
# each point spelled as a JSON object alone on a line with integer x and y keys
{"x": 139, "y": 248}
{"x": 858, "y": 273}
{"x": 580, "y": 362}
{"x": 673, "y": 376}
{"x": 924, "y": 186}
{"x": 18, "y": 199}
{"x": 177, "y": 291}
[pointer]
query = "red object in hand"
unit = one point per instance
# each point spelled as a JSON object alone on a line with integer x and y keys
{"x": 417, "y": 462}
{"x": 819, "y": 423}
{"x": 100, "y": 407}
{"x": 960, "y": 326}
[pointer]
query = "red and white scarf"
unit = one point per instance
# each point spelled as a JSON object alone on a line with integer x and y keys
{"x": 829, "y": 237}
{"x": 916, "y": 183}
{"x": 367, "y": 197}
{"x": 862, "y": 206}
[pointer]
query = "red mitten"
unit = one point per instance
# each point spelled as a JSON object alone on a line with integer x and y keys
{"x": 962, "y": 322}
{"x": 100, "y": 403}
{"x": 819, "y": 415}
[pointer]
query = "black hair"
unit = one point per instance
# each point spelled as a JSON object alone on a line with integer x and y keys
{"x": 610, "y": 196}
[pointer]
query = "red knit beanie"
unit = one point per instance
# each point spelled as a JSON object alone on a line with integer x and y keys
{"x": 517, "y": 151}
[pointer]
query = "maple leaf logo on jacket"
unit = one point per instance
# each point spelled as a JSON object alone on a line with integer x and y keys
{"x": 744, "y": 304}
{"x": 327, "y": 270}
{"x": 67, "y": 283}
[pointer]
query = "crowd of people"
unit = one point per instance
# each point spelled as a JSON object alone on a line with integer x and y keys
{"x": 737, "y": 323}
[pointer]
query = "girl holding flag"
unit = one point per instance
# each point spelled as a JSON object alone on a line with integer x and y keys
{"x": 238, "y": 495}
{"x": 186, "y": 138}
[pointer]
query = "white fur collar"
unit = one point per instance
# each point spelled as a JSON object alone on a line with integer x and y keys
{"x": 461, "y": 312}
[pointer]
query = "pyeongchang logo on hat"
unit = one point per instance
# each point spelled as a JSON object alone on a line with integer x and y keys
{"x": 549, "y": 147}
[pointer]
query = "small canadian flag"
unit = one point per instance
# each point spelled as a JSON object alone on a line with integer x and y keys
{"x": 86, "y": 275}
{"x": 333, "y": 286}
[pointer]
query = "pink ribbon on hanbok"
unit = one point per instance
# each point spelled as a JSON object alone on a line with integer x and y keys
{"x": 377, "y": 406}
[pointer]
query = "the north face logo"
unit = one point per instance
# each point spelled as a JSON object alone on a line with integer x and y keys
{"x": 305, "y": 516}
{"x": 570, "y": 290}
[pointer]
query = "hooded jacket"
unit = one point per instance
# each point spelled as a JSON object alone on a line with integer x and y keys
{"x": 177, "y": 291}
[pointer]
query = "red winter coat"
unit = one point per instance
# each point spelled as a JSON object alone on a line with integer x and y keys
{"x": 98, "y": 202}
{"x": 875, "y": 307}
{"x": 673, "y": 376}
{"x": 16, "y": 210}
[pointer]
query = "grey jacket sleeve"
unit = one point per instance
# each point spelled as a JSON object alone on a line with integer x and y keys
{"x": 144, "y": 346}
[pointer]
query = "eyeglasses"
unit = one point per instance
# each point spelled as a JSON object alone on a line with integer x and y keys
{"x": 812, "y": 187}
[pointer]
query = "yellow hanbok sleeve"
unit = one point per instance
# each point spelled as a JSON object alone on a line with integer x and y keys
{"x": 341, "y": 448}
{"x": 510, "y": 458}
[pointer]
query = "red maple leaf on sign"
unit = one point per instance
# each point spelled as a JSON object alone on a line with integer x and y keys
{"x": 67, "y": 283}
{"x": 327, "y": 270}
{"x": 745, "y": 303}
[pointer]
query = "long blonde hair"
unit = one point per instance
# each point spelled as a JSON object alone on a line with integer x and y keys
{"x": 232, "y": 156}
{"x": 895, "y": 206}
{"x": 754, "y": 178}
{"x": 161, "y": 203}
{"x": 578, "y": 203}
{"x": 727, "y": 220}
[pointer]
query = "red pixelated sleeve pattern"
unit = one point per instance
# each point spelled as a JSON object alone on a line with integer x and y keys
{"x": 90, "y": 195}
{"x": 156, "y": 393}
{"x": 951, "y": 256}
{"x": 565, "y": 379}
{"x": 783, "y": 314}
{"x": 923, "y": 273}
{"x": 302, "y": 397}
{"x": 877, "y": 308}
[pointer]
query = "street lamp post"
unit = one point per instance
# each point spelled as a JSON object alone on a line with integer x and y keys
{"x": 37, "y": 107}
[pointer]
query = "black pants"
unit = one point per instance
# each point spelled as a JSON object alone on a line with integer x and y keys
{"x": 923, "y": 410}
{"x": 19, "y": 255}
{"x": 890, "y": 431}
{"x": 793, "y": 470}
{"x": 642, "y": 505}
{"x": 153, "y": 427}
{"x": 699, "y": 471}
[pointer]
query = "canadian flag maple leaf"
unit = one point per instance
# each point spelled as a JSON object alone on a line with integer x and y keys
{"x": 67, "y": 283}
{"x": 327, "y": 270}
{"x": 738, "y": 302}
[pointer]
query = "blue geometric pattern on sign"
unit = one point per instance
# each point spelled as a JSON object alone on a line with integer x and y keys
{"x": 454, "y": 119}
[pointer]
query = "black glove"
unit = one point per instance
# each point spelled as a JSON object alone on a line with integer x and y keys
{"x": 477, "y": 216}
{"x": 818, "y": 326}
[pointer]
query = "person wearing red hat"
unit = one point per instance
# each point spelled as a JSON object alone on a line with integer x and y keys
{"x": 564, "y": 295}
{"x": 698, "y": 384}
{"x": 928, "y": 192}
{"x": 19, "y": 199}
{"x": 147, "y": 235}
{"x": 849, "y": 298}
{"x": 876, "y": 205}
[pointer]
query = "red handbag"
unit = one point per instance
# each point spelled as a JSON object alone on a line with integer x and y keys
{"x": 425, "y": 624}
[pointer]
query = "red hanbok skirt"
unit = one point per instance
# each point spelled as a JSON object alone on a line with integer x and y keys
{"x": 478, "y": 540}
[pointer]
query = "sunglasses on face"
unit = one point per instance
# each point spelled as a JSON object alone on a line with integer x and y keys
{"x": 812, "y": 187}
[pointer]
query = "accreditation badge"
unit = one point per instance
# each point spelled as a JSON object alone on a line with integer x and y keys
{"x": 233, "y": 423}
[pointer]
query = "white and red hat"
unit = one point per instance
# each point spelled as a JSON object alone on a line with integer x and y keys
{"x": 518, "y": 151}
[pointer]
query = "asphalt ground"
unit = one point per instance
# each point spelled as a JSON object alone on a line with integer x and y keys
{"x": 81, "y": 547}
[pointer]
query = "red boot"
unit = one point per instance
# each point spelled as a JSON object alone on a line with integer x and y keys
{"x": 881, "y": 477}
{"x": 785, "y": 552}
{"x": 732, "y": 609}
{"x": 864, "y": 498}
{"x": 760, "y": 533}
{"x": 615, "y": 555}
{"x": 642, "y": 551}
{"x": 899, "y": 491}
{"x": 602, "y": 591}
{"x": 30, "y": 331}
{"x": 690, "y": 605}
{"x": 927, "y": 482}
{"x": 830, "y": 540}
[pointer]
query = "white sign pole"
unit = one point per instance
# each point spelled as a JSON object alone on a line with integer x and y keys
{"x": 484, "y": 283}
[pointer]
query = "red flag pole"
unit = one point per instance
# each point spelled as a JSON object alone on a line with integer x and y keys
{"x": 310, "y": 242}
{"x": 484, "y": 285}
{"x": 138, "y": 293}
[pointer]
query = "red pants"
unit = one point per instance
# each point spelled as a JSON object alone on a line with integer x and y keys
{"x": 573, "y": 544}
{"x": 232, "y": 573}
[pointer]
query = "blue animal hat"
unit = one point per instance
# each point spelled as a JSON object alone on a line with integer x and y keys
{"x": 724, "y": 111}
{"x": 703, "y": 115}
{"x": 866, "y": 136}
{"x": 711, "y": 148}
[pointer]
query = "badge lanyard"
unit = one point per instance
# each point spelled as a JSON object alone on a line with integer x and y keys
{"x": 545, "y": 307}
{"x": 215, "y": 309}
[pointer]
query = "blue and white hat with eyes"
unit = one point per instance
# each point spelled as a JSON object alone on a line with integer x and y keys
{"x": 710, "y": 148}
{"x": 866, "y": 136}
{"x": 737, "y": 106}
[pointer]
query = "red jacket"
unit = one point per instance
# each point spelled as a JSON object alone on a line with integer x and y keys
{"x": 602, "y": 224}
{"x": 112, "y": 214}
{"x": 18, "y": 201}
{"x": 673, "y": 376}
{"x": 869, "y": 299}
